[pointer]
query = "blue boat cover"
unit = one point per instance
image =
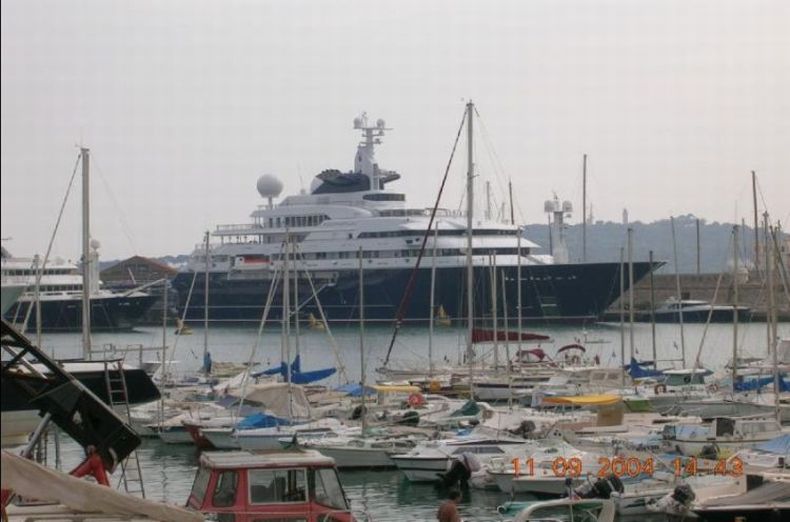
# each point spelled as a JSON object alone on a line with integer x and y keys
{"x": 756, "y": 384}
{"x": 636, "y": 371}
{"x": 297, "y": 375}
{"x": 261, "y": 420}
{"x": 355, "y": 390}
{"x": 780, "y": 445}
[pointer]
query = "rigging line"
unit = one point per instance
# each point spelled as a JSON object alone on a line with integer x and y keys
{"x": 127, "y": 230}
{"x": 183, "y": 318}
{"x": 428, "y": 230}
{"x": 499, "y": 168}
{"x": 246, "y": 377}
{"x": 40, "y": 271}
{"x": 341, "y": 367}
{"x": 697, "y": 363}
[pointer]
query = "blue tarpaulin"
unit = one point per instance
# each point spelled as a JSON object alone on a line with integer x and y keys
{"x": 756, "y": 384}
{"x": 297, "y": 375}
{"x": 636, "y": 371}
{"x": 780, "y": 445}
{"x": 261, "y": 420}
{"x": 355, "y": 390}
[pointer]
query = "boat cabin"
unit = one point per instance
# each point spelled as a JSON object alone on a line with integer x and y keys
{"x": 239, "y": 486}
{"x": 685, "y": 377}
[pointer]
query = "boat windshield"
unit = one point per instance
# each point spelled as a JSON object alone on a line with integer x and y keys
{"x": 328, "y": 491}
{"x": 277, "y": 486}
{"x": 581, "y": 512}
{"x": 200, "y": 485}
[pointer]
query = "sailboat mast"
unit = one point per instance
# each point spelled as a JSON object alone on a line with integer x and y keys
{"x": 653, "y": 313}
{"x": 631, "y": 289}
{"x": 494, "y": 310}
{"x": 772, "y": 322}
{"x": 756, "y": 224}
{"x": 205, "y": 302}
{"x": 433, "y": 304}
{"x": 296, "y": 305}
{"x": 287, "y": 323}
{"x": 734, "y": 306}
{"x": 363, "y": 379}
{"x": 677, "y": 288}
{"x": 507, "y": 345}
{"x": 622, "y": 318}
{"x": 518, "y": 285}
{"x": 470, "y": 205}
{"x": 510, "y": 192}
{"x": 86, "y": 254}
{"x": 584, "y": 208}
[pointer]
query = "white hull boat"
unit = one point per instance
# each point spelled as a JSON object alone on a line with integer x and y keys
{"x": 269, "y": 438}
{"x": 428, "y": 460}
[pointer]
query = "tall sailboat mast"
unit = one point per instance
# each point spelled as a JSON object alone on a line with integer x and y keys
{"x": 735, "y": 306}
{"x": 362, "y": 376}
{"x": 86, "y": 255}
{"x": 206, "y": 367}
{"x": 470, "y": 206}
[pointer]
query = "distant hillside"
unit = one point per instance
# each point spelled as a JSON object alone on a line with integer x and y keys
{"x": 604, "y": 240}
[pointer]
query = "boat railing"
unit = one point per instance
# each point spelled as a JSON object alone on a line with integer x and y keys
{"x": 237, "y": 227}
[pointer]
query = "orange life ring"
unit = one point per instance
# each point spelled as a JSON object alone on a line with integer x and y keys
{"x": 660, "y": 388}
{"x": 416, "y": 400}
{"x": 713, "y": 387}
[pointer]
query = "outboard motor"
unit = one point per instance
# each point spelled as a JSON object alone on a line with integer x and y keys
{"x": 526, "y": 428}
{"x": 461, "y": 471}
{"x": 710, "y": 451}
{"x": 458, "y": 474}
{"x": 674, "y": 504}
{"x": 410, "y": 418}
{"x": 601, "y": 488}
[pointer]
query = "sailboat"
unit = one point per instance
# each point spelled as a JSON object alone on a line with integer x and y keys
{"x": 18, "y": 416}
{"x": 292, "y": 372}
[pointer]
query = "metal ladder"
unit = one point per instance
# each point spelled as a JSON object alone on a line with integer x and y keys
{"x": 118, "y": 396}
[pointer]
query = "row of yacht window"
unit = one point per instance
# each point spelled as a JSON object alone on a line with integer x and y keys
{"x": 407, "y": 253}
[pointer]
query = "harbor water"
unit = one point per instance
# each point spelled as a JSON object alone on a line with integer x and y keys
{"x": 384, "y": 496}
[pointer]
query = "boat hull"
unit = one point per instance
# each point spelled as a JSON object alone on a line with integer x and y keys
{"x": 574, "y": 292}
{"x": 701, "y": 316}
{"x": 18, "y": 419}
{"x": 357, "y": 458}
{"x": 114, "y": 313}
{"x": 417, "y": 469}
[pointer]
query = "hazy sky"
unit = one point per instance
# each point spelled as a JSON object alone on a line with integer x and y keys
{"x": 184, "y": 104}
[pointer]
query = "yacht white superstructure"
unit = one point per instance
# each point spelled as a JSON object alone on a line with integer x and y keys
{"x": 348, "y": 212}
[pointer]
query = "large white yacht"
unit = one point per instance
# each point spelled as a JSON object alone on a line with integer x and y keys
{"x": 348, "y": 213}
{"x": 60, "y": 294}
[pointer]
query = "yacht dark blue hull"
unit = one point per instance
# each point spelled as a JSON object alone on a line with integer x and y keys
{"x": 574, "y": 293}
{"x": 114, "y": 313}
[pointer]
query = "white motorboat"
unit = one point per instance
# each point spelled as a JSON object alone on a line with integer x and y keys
{"x": 428, "y": 460}
{"x": 588, "y": 510}
{"x": 269, "y": 438}
{"x": 547, "y": 473}
{"x": 725, "y": 435}
{"x": 362, "y": 452}
{"x": 696, "y": 311}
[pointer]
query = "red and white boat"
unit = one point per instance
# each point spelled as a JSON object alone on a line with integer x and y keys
{"x": 243, "y": 486}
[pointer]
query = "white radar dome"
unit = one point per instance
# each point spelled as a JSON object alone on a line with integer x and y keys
{"x": 269, "y": 186}
{"x": 95, "y": 244}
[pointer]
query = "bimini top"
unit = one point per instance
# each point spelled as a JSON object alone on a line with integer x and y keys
{"x": 258, "y": 460}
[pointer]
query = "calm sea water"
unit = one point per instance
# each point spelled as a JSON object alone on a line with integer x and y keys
{"x": 384, "y": 496}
